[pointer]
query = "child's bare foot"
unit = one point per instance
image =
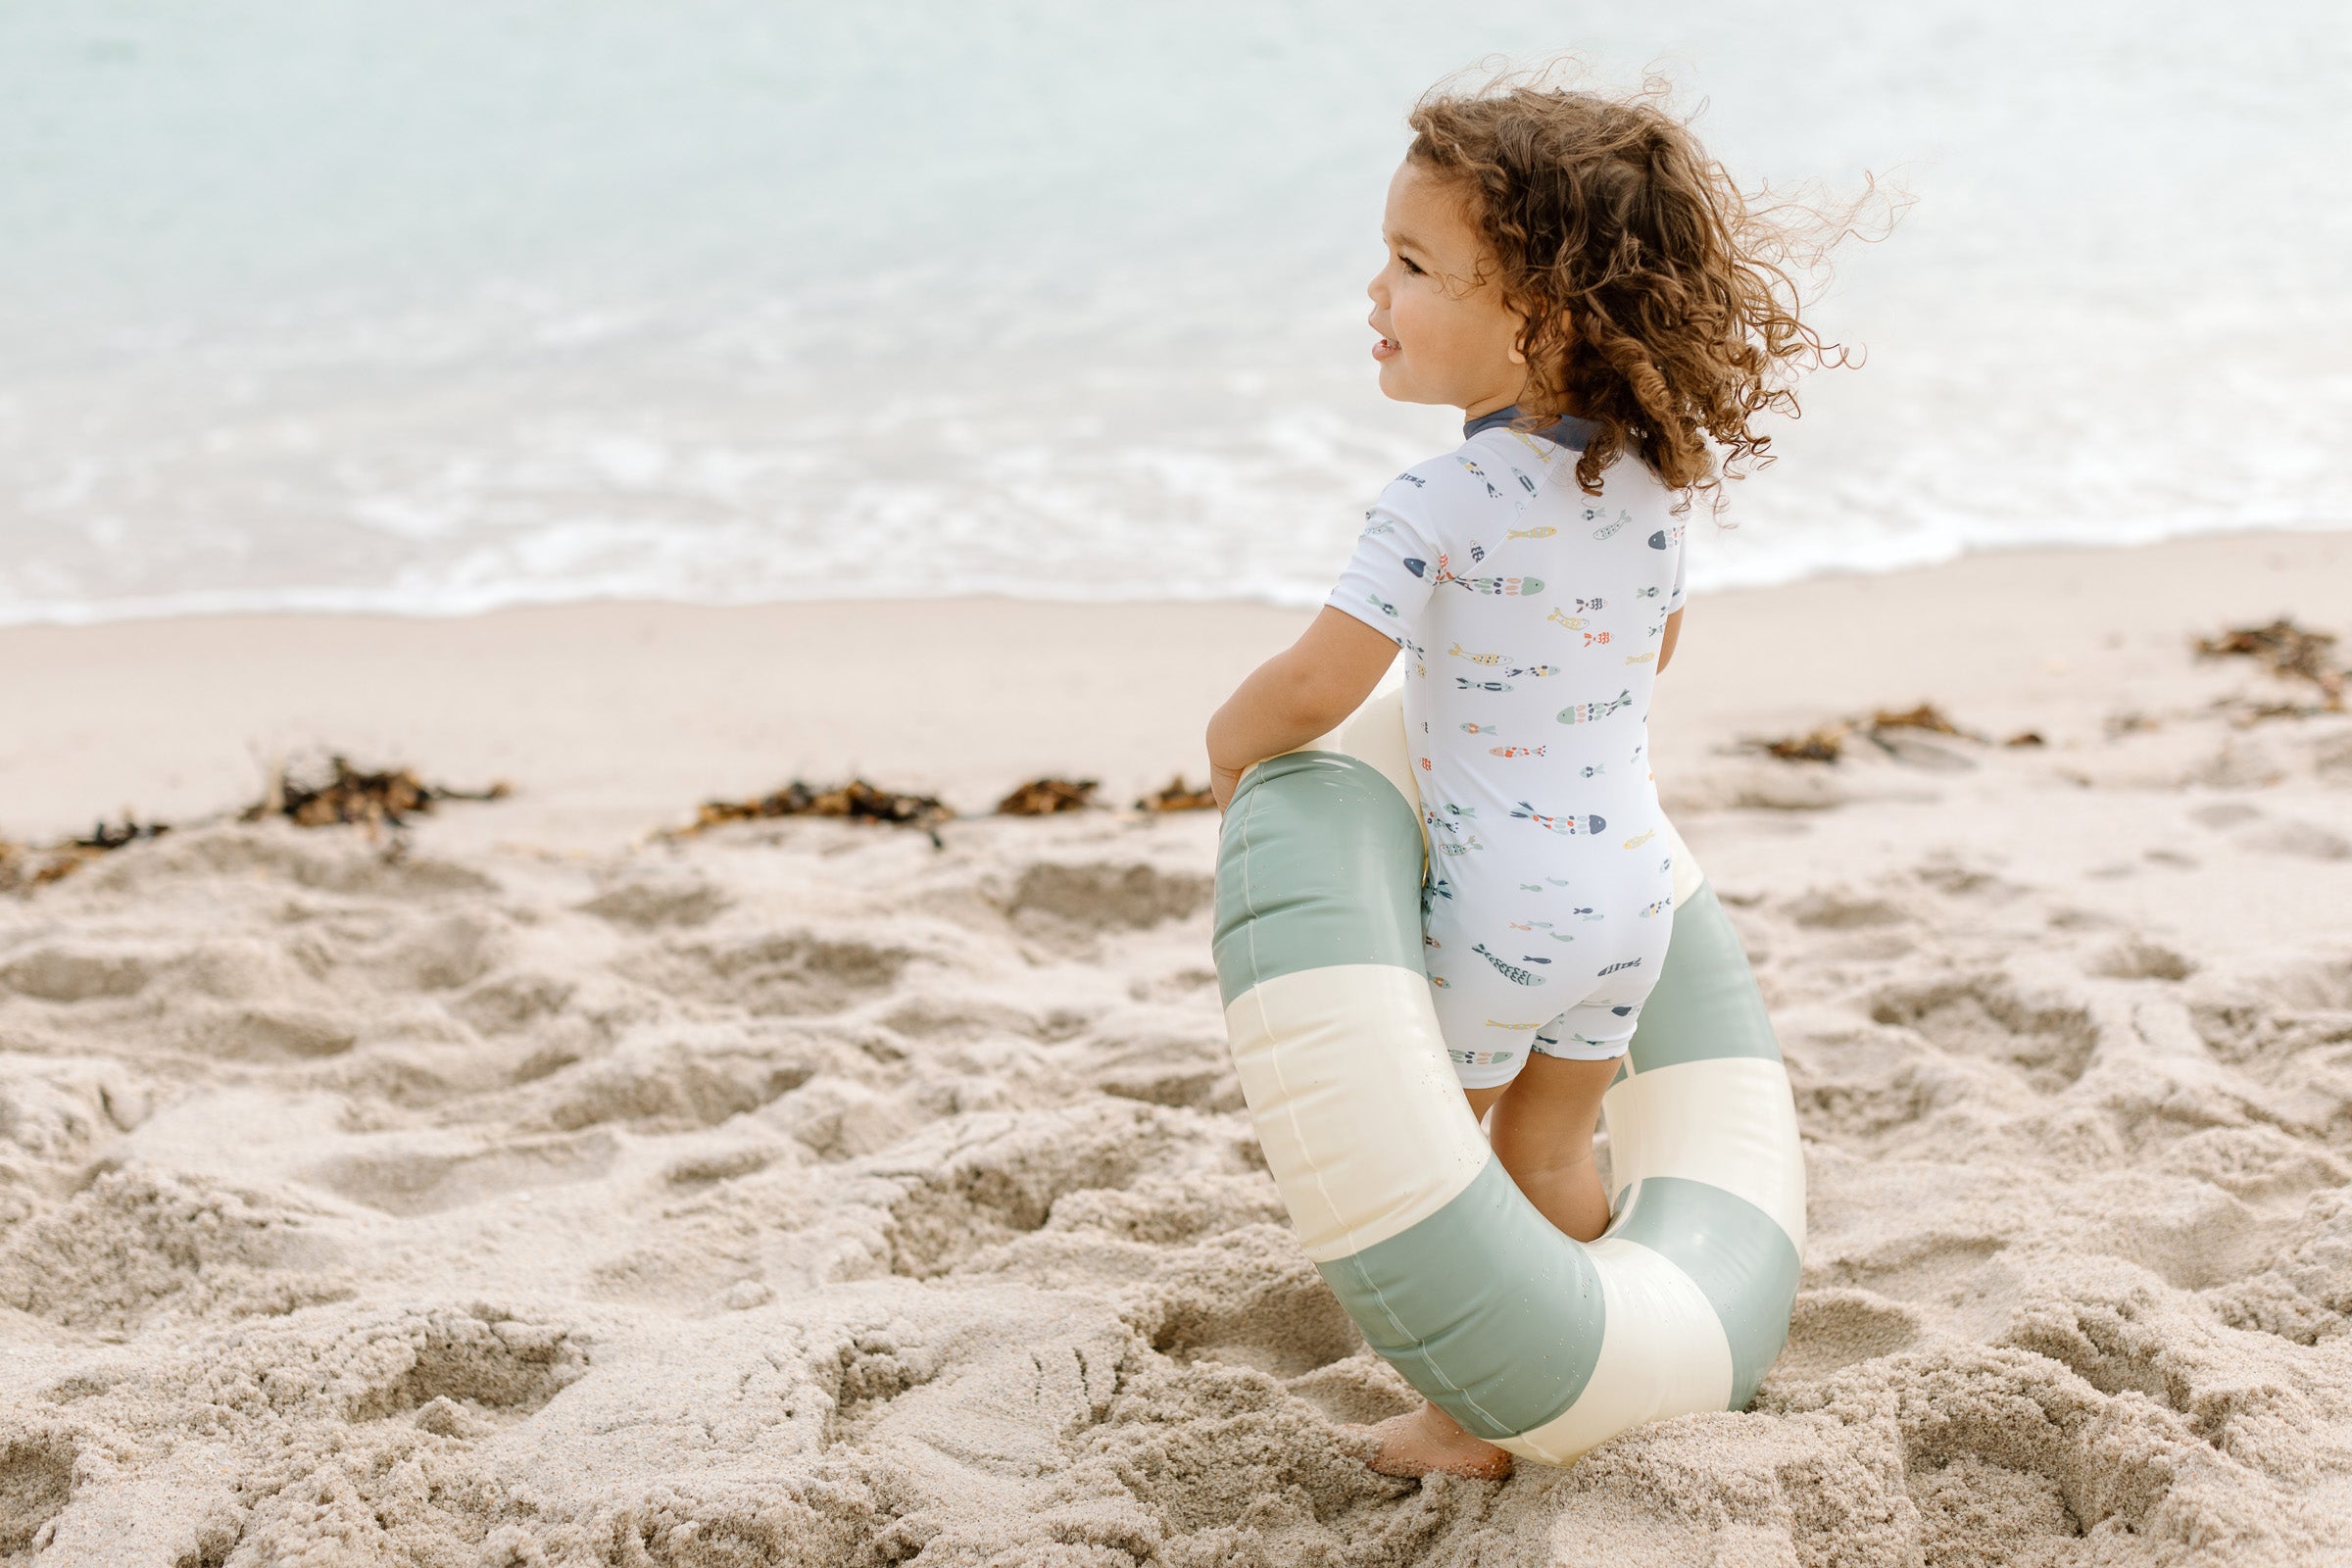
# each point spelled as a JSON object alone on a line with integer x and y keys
{"x": 1431, "y": 1439}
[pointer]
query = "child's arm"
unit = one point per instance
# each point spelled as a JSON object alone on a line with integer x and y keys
{"x": 1674, "y": 631}
{"x": 1301, "y": 693}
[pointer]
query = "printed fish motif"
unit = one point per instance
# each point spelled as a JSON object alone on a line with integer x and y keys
{"x": 1639, "y": 659}
{"x": 1606, "y": 532}
{"x": 1630, "y": 963}
{"x": 1572, "y": 622}
{"x": 1499, "y": 587}
{"x": 1565, "y": 826}
{"x": 1416, "y": 565}
{"x": 1481, "y": 729}
{"x": 1376, "y": 525}
{"x": 1440, "y": 982}
{"x": 1662, "y": 906}
{"x": 1508, "y": 752}
{"x": 1413, "y": 479}
{"x": 1640, "y": 839}
{"x": 1526, "y": 484}
{"x": 1587, "y": 713}
{"x": 1452, "y": 809}
{"x": 1537, "y": 670}
{"x": 1380, "y": 604}
{"x": 1478, "y": 552}
{"x": 1529, "y": 957}
{"x": 1460, "y": 846}
{"x": 1480, "y": 476}
{"x": 1584, "y": 603}
{"x": 1596, "y": 639}
{"x": 1666, "y": 536}
{"x": 1646, "y": 593}
{"x": 1508, "y": 970}
{"x": 1475, "y": 659}
{"x": 1466, "y": 683}
{"x": 1588, "y": 912}
{"x": 1531, "y": 887}
{"x": 1560, "y": 935}
{"x": 1545, "y": 531}
{"x": 1596, "y": 769}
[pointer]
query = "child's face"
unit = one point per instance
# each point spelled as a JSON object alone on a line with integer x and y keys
{"x": 1444, "y": 336}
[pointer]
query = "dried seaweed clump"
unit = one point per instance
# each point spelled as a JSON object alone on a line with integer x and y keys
{"x": 1046, "y": 796}
{"x": 1927, "y": 716}
{"x": 1826, "y": 743}
{"x": 346, "y": 794}
{"x": 854, "y": 802}
{"x": 2288, "y": 650}
{"x": 25, "y": 866}
{"x": 1178, "y": 796}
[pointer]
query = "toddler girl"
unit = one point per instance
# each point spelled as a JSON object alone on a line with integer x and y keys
{"x": 1575, "y": 275}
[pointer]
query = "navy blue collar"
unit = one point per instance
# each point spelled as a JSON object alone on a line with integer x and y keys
{"x": 1571, "y": 431}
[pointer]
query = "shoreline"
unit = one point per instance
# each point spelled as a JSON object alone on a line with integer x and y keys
{"x": 85, "y": 615}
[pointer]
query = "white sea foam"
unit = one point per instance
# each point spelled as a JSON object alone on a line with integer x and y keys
{"x": 330, "y": 307}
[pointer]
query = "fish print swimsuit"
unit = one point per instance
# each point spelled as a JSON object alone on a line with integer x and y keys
{"x": 1530, "y": 615}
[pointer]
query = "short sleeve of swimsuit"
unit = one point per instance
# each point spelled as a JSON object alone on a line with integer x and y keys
{"x": 1388, "y": 580}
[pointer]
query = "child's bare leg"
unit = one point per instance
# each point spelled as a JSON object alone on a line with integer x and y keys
{"x": 1543, "y": 1133}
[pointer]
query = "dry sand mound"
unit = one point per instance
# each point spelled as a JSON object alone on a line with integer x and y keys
{"x": 805, "y": 1195}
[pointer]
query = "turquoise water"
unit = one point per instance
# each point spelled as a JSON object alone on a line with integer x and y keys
{"x": 306, "y": 303}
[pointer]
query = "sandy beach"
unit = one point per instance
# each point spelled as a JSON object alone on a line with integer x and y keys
{"x": 534, "y": 1189}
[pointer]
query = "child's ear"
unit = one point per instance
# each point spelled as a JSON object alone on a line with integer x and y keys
{"x": 1526, "y": 330}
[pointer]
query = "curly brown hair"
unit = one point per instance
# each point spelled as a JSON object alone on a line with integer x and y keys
{"x": 1659, "y": 298}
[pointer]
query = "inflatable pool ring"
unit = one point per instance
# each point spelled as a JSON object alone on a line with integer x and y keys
{"x": 1535, "y": 1342}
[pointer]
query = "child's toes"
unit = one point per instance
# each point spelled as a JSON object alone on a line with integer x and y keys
{"x": 1409, "y": 1446}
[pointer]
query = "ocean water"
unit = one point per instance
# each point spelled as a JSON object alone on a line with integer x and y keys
{"x": 436, "y": 306}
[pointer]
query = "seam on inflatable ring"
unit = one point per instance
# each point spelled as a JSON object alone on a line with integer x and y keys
{"x": 1265, "y": 1020}
{"x": 1431, "y": 1361}
{"x": 1290, "y": 1108}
